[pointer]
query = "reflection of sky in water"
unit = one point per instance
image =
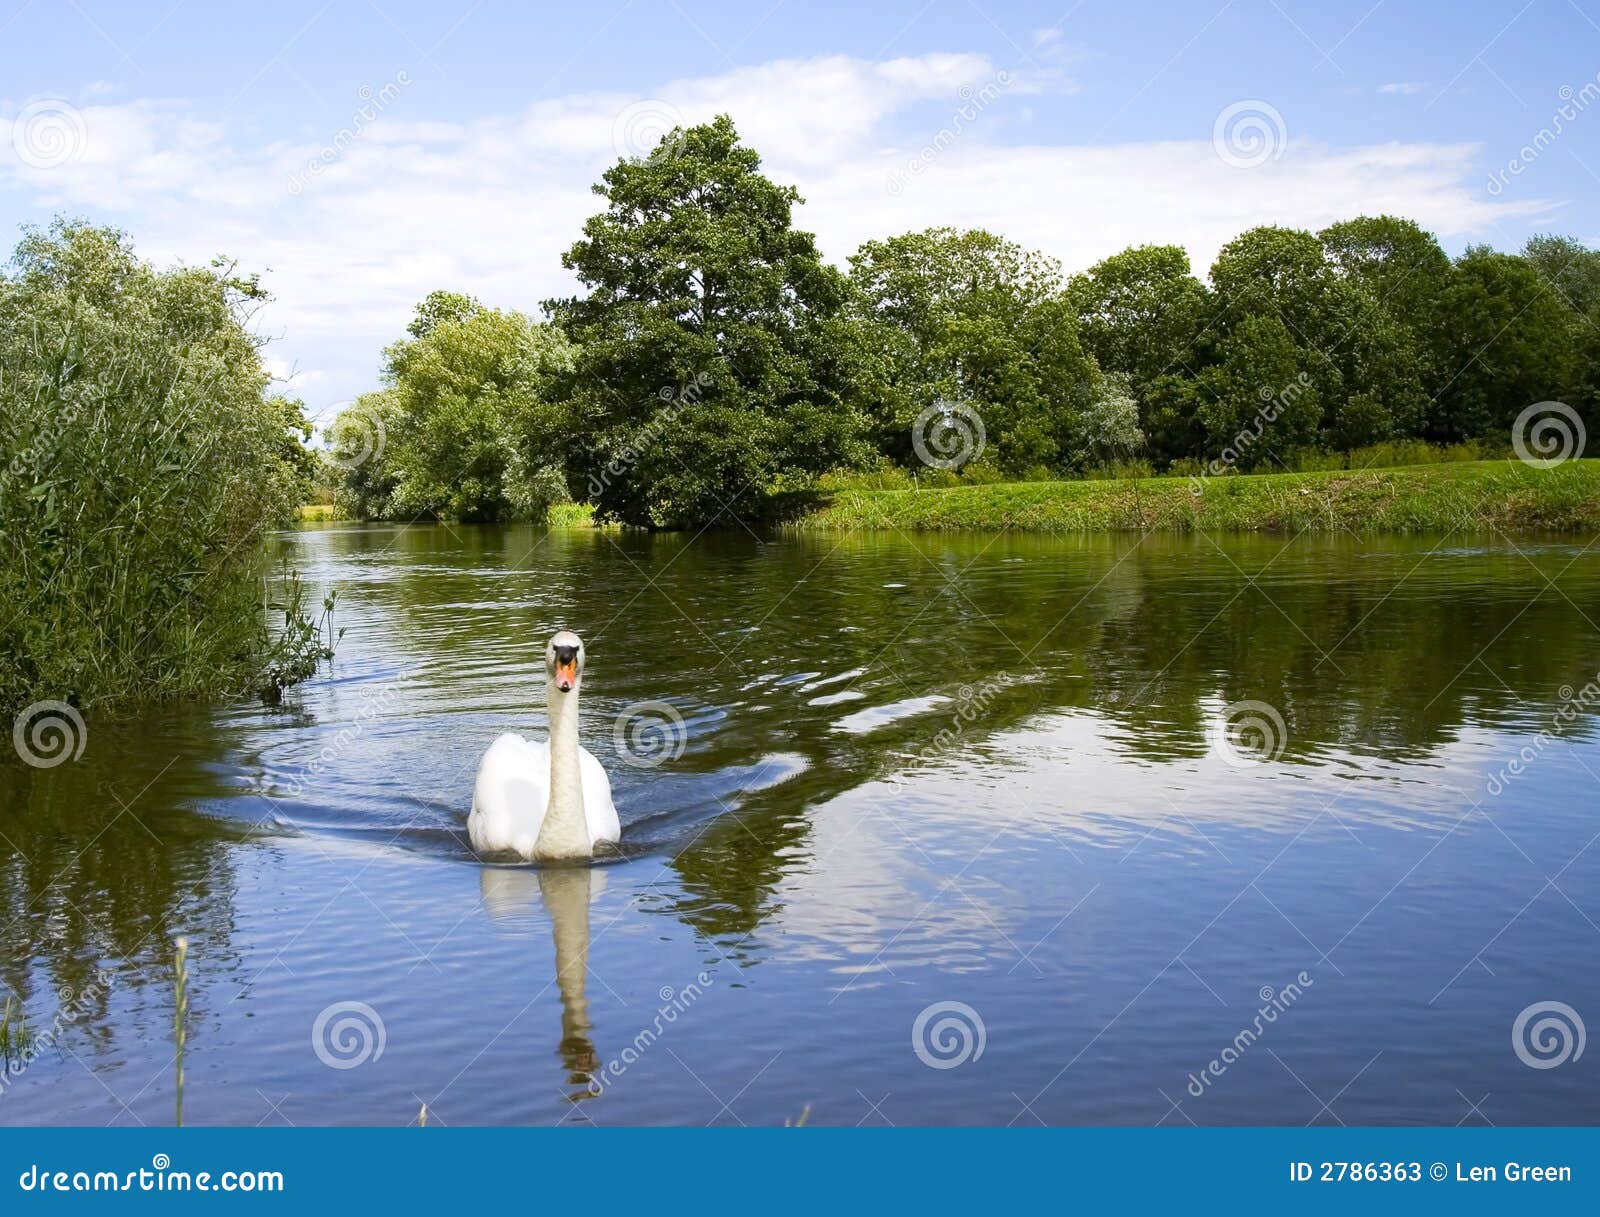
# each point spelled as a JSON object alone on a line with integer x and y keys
{"x": 999, "y": 784}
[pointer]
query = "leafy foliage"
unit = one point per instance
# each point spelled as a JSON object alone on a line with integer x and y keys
{"x": 969, "y": 317}
{"x": 465, "y": 429}
{"x": 711, "y": 366}
{"x": 1510, "y": 345}
{"x": 142, "y": 462}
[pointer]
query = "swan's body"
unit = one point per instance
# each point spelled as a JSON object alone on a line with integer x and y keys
{"x": 548, "y": 801}
{"x": 512, "y": 796}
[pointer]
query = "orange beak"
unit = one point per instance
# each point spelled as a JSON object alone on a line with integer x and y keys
{"x": 566, "y": 675}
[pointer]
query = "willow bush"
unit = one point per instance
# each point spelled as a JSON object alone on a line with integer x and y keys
{"x": 142, "y": 463}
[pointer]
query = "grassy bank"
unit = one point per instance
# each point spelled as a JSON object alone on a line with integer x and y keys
{"x": 1504, "y": 495}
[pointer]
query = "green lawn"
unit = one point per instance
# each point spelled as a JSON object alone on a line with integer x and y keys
{"x": 1504, "y": 495}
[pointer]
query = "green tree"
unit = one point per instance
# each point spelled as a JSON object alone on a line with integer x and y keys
{"x": 1573, "y": 271}
{"x": 1368, "y": 366}
{"x": 944, "y": 315}
{"x": 467, "y": 428}
{"x": 710, "y": 368}
{"x": 1258, "y": 404}
{"x": 441, "y": 306}
{"x": 1140, "y": 311}
{"x": 358, "y": 452}
{"x": 1511, "y": 345}
{"x": 1280, "y": 272}
{"x": 1404, "y": 273}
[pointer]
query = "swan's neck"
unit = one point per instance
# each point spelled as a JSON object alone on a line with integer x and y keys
{"x": 565, "y": 831}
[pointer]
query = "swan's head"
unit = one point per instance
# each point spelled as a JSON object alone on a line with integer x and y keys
{"x": 563, "y": 660}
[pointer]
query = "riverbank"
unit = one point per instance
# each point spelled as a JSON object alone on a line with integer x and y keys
{"x": 1508, "y": 496}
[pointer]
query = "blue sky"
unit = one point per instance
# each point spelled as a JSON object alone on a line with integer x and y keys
{"x": 363, "y": 153}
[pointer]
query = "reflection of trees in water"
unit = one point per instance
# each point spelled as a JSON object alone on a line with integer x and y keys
{"x": 100, "y": 866}
{"x": 1152, "y": 637}
{"x": 1405, "y": 669}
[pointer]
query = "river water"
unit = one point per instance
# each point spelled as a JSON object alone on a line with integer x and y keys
{"x": 916, "y": 829}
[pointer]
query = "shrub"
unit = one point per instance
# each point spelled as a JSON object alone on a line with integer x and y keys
{"x": 142, "y": 462}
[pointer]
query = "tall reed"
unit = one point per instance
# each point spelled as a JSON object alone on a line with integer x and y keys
{"x": 180, "y": 1015}
{"x": 143, "y": 465}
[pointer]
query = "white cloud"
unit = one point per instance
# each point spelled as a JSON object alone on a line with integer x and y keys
{"x": 1406, "y": 87}
{"x": 488, "y": 205}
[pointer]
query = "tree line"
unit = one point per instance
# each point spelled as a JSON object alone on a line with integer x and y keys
{"x": 713, "y": 361}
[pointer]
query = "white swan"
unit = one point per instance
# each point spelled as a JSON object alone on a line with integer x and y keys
{"x": 549, "y": 802}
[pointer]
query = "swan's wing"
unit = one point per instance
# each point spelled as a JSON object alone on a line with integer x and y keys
{"x": 509, "y": 798}
{"x": 598, "y": 809}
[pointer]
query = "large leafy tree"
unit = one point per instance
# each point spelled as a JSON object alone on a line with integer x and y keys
{"x": 1140, "y": 311}
{"x": 1404, "y": 273}
{"x": 1511, "y": 345}
{"x": 712, "y": 365}
{"x": 358, "y": 453}
{"x": 1280, "y": 272}
{"x": 967, "y": 316}
{"x": 467, "y": 428}
{"x": 1258, "y": 404}
{"x": 1367, "y": 366}
{"x": 1573, "y": 271}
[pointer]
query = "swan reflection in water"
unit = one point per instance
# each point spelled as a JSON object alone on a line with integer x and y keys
{"x": 512, "y": 895}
